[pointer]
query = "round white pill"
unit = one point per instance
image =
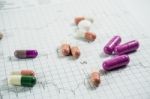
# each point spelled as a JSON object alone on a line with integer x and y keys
{"x": 85, "y": 25}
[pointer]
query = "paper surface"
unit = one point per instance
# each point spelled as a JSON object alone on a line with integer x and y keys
{"x": 44, "y": 24}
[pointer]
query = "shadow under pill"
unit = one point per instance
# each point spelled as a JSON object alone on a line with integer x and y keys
{"x": 117, "y": 70}
{"x": 103, "y": 55}
{"x": 19, "y": 89}
{"x": 16, "y": 59}
{"x": 84, "y": 40}
{"x": 88, "y": 85}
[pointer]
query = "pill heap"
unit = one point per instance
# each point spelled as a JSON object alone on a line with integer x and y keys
{"x": 27, "y": 77}
{"x": 69, "y": 50}
{"x": 121, "y": 59}
{"x": 84, "y": 24}
{"x": 24, "y": 78}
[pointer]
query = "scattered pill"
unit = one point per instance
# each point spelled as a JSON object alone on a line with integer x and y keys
{"x": 116, "y": 62}
{"x": 95, "y": 78}
{"x": 26, "y": 72}
{"x": 89, "y": 36}
{"x": 80, "y": 18}
{"x": 127, "y": 47}
{"x": 20, "y": 80}
{"x": 1, "y": 35}
{"x": 22, "y": 54}
{"x": 110, "y": 46}
{"x": 75, "y": 52}
{"x": 64, "y": 50}
{"x": 84, "y": 25}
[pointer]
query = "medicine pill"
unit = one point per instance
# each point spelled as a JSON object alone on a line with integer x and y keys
{"x": 80, "y": 18}
{"x": 75, "y": 52}
{"x": 116, "y": 62}
{"x": 110, "y": 46}
{"x": 64, "y": 50}
{"x": 84, "y": 25}
{"x": 20, "y": 80}
{"x": 95, "y": 78}
{"x": 127, "y": 47}
{"x": 26, "y": 72}
{"x": 1, "y": 35}
{"x": 22, "y": 54}
{"x": 89, "y": 36}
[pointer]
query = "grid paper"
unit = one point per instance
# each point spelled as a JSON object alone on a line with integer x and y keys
{"x": 43, "y": 26}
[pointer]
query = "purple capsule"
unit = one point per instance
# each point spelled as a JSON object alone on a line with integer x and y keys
{"x": 116, "y": 62}
{"x": 26, "y": 54}
{"x": 127, "y": 47}
{"x": 110, "y": 46}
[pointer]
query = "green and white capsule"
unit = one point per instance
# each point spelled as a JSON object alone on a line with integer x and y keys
{"x": 20, "y": 80}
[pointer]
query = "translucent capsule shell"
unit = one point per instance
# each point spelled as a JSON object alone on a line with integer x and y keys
{"x": 110, "y": 46}
{"x": 116, "y": 62}
{"x": 127, "y": 47}
{"x": 26, "y": 54}
{"x": 19, "y": 80}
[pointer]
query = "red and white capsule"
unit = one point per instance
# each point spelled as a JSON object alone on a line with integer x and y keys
{"x": 26, "y": 72}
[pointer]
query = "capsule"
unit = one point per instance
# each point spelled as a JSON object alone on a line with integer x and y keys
{"x": 80, "y": 18}
{"x": 95, "y": 78}
{"x": 110, "y": 46}
{"x": 75, "y": 52}
{"x": 116, "y": 62}
{"x": 21, "y": 80}
{"x": 85, "y": 25}
{"x": 127, "y": 47}
{"x": 22, "y": 54}
{"x": 1, "y": 35}
{"x": 64, "y": 50}
{"x": 26, "y": 72}
{"x": 89, "y": 36}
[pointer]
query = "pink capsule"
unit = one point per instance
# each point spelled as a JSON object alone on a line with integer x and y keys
{"x": 26, "y": 72}
{"x": 116, "y": 62}
{"x": 127, "y": 47}
{"x": 110, "y": 46}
